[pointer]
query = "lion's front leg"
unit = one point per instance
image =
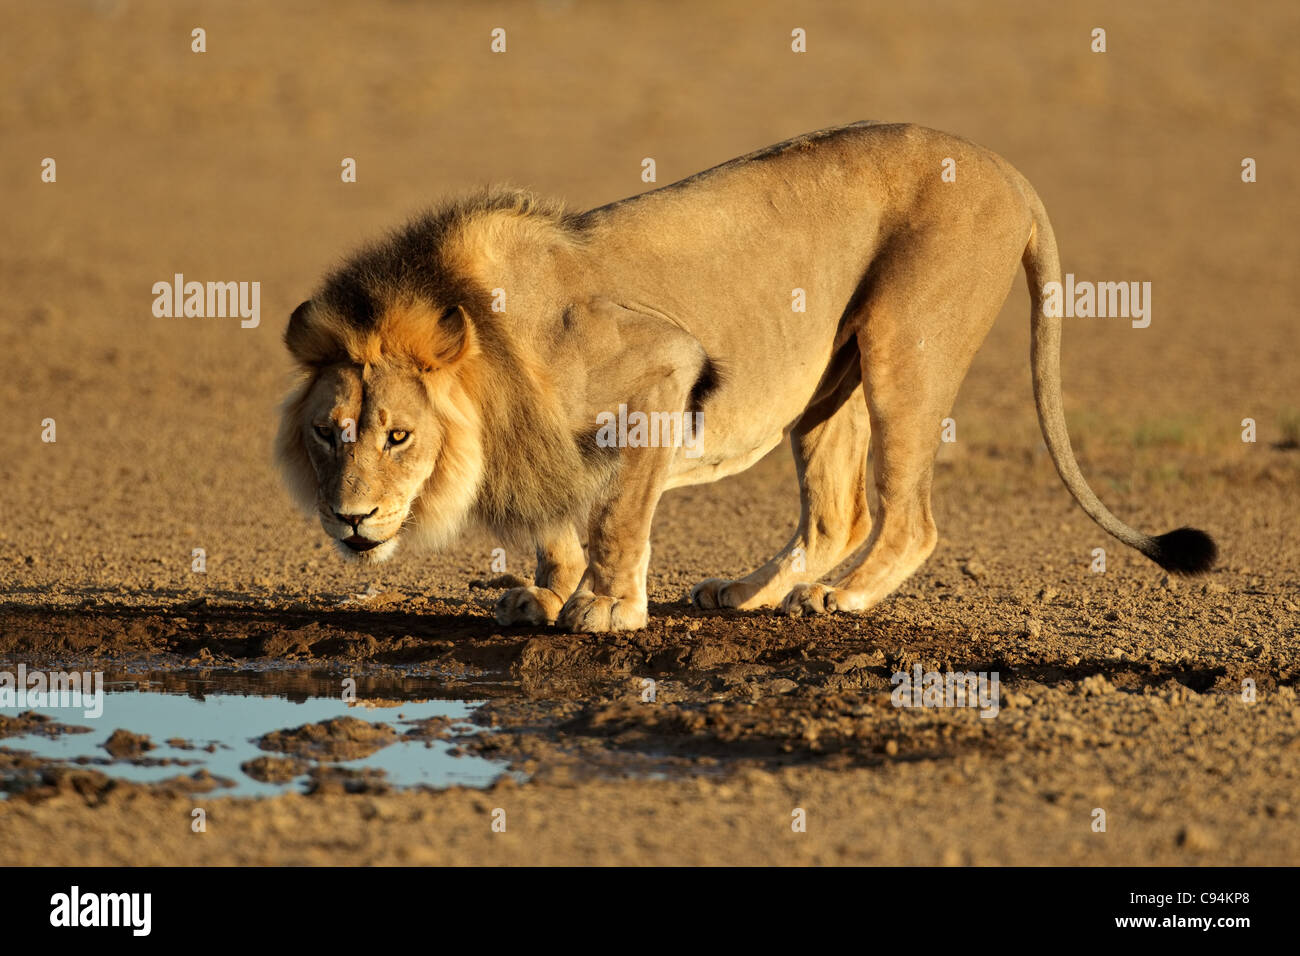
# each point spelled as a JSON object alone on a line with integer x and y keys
{"x": 646, "y": 369}
{"x": 560, "y": 564}
{"x": 612, "y": 593}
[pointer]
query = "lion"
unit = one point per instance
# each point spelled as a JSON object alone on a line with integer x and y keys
{"x": 495, "y": 362}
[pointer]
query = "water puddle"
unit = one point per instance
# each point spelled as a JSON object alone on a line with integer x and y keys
{"x": 214, "y": 722}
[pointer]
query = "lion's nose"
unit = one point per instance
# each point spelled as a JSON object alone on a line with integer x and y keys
{"x": 354, "y": 520}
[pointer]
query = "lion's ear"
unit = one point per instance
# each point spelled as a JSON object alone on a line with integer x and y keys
{"x": 308, "y": 339}
{"x": 454, "y": 339}
{"x": 298, "y": 335}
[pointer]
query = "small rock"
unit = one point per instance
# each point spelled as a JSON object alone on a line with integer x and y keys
{"x": 123, "y": 743}
{"x": 1096, "y": 685}
{"x": 1196, "y": 839}
{"x": 1012, "y": 699}
{"x": 500, "y": 581}
{"x": 275, "y": 769}
{"x": 369, "y": 594}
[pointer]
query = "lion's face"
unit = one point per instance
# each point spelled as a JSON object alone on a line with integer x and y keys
{"x": 373, "y": 441}
{"x": 382, "y": 438}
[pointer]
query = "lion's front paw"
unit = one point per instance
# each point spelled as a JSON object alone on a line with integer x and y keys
{"x": 592, "y": 613}
{"x": 809, "y": 599}
{"x": 711, "y": 595}
{"x": 529, "y": 605}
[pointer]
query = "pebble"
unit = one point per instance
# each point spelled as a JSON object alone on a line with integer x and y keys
{"x": 1096, "y": 685}
{"x": 1196, "y": 839}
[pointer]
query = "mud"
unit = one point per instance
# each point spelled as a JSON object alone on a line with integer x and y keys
{"x": 123, "y": 743}
{"x": 275, "y": 769}
{"x": 31, "y": 722}
{"x": 344, "y": 738}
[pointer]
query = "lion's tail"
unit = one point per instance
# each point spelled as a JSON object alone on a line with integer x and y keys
{"x": 1184, "y": 551}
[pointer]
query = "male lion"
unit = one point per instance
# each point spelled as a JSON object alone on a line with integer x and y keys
{"x": 460, "y": 371}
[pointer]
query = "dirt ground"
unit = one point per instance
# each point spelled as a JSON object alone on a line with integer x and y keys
{"x": 1121, "y": 691}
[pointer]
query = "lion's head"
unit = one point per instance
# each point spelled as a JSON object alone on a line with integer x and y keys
{"x": 382, "y": 437}
{"x": 422, "y": 409}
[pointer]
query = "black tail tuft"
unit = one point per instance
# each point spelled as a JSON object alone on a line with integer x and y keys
{"x": 1185, "y": 551}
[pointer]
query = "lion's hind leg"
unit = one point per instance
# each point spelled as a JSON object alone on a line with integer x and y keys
{"x": 906, "y": 435}
{"x": 917, "y": 337}
{"x": 830, "y": 454}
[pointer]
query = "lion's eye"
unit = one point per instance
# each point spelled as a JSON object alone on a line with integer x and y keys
{"x": 325, "y": 433}
{"x": 397, "y": 436}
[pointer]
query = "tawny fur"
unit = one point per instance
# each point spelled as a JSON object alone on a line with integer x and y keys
{"x": 495, "y": 331}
